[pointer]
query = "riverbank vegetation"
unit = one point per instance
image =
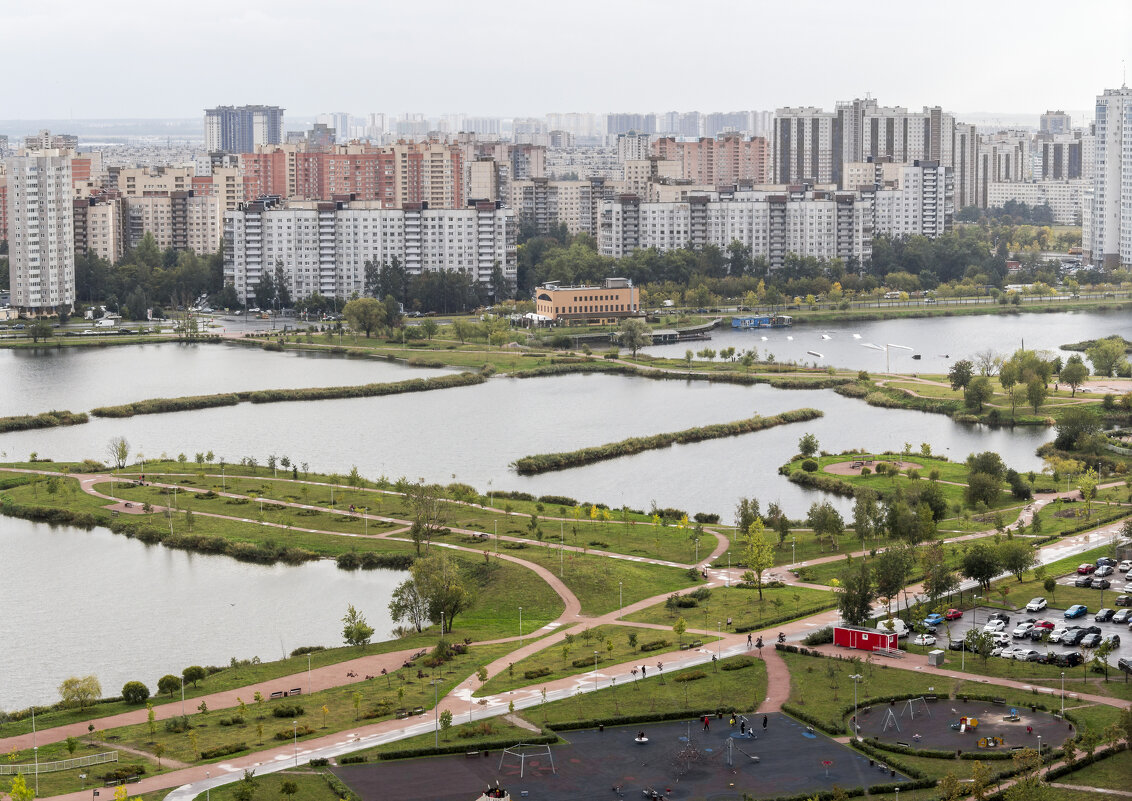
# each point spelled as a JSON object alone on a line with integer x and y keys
{"x": 50, "y": 419}
{"x": 542, "y": 463}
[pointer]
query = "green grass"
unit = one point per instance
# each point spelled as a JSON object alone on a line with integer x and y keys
{"x": 660, "y": 694}
{"x": 381, "y": 692}
{"x": 470, "y": 734}
{"x": 742, "y": 606}
{"x": 582, "y": 647}
{"x": 1020, "y": 592}
{"x": 311, "y": 786}
{"x": 68, "y": 781}
{"x": 1111, "y": 773}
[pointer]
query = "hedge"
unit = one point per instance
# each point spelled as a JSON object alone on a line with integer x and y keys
{"x": 223, "y": 750}
{"x": 646, "y": 717}
{"x": 459, "y": 748}
{"x": 654, "y": 645}
{"x": 339, "y": 787}
{"x": 50, "y": 419}
{"x": 537, "y": 673}
{"x": 545, "y": 462}
{"x": 371, "y": 560}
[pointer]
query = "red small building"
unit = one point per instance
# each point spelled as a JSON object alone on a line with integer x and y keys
{"x": 864, "y": 639}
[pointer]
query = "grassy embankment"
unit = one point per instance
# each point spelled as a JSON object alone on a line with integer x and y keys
{"x": 741, "y": 605}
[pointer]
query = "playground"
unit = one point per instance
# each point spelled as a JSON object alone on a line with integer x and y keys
{"x": 951, "y": 725}
{"x": 677, "y": 760}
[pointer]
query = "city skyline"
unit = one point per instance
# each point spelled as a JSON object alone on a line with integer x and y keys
{"x": 508, "y": 61}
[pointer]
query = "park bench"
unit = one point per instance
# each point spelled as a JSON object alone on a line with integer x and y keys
{"x": 418, "y": 710}
{"x": 401, "y": 714}
{"x": 471, "y": 754}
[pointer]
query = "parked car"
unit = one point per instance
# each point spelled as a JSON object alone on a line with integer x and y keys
{"x": 1106, "y": 561}
{"x": 1058, "y": 635}
{"x": 1104, "y": 570}
{"x": 1036, "y": 605}
{"x": 1122, "y": 616}
{"x": 1112, "y": 639}
{"x": 1026, "y": 655}
{"x": 1088, "y": 641}
{"x": 1127, "y": 587}
{"x": 1022, "y": 630}
{"x": 1100, "y": 583}
{"x": 953, "y": 614}
{"x": 1001, "y": 638}
{"x": 933, "y": 620}
{"x": 1123, "y": 600}
{"x": 1086, "y": 569}
{"x": 994, "y": 626}
{"x": 1045, "y": 624}
{"x": 1068, "y": 659}
{"x": 956, "y": 645}
{"x": 1104, "y": 615}
{"x": 1125, "y": 566}
{"x": 1083, "y": 581}
{"x": 1125, "y": 665}
{"x": 923, "y": 639}
{"x": 1077, "y": 610}
{"x": 1005, "y": 618}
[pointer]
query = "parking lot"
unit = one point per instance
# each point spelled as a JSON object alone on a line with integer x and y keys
{"x": 977, "y": 618}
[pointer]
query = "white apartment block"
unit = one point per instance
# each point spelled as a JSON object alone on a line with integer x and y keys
{"x": 633, "y": 147}
{"x": 41, "y": 234}
{"x": 324, "y": 247}
{"x": 825, "y": 225}
{"x": 1066, "y": 199}
{"x": 921, "y": 205}
{"x": 1110, "y": 235}
{"x": 546, "y": 204}
{"x": 804, "y": 146}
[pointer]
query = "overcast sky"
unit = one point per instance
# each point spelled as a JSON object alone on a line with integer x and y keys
{"x": 172, "y": 58}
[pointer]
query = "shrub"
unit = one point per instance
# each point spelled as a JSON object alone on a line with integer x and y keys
{"x": 120, "y": 773}
{"x": 178, "y": 725}
{"x": 820, "y": 636}
{"x": 584, "y": 661}
{"x": 704, "y": 517}
{"x": 654, "y": 645}
{"x": 353, "y": 760}
{"x": 134, "y": 692}
{"x": 695, "y": 675}
{"x": 287, "y": 711}
{"x": 738, "y": 663}
{"x": 810, "y": 466}
{"x": 536, "y": 673}
{"x": 223, "y": 750}
{"x": 235, "y": 720}
{"x": 308, "y": 649}
{"x": 287, "y": 734}
{"x": 319, "y": 762}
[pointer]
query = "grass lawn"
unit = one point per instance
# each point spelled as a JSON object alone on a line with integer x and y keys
{"x": 470, "y": 734}
{"x": 559, "y": 659}
{"x": 311, "y": 786}
{"x": 68, "y": 781}
{"x": 376, "y": 700}
{"x": 1020, "y": 592}
{"x": 1111, "y": 773}
{"x": 741, "y": 605}
{"x": 660, "y": 693}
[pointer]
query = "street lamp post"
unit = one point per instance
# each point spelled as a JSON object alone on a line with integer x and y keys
{"x": 295, "y": 729}
{"x": 520, "y": 627}
{"x": 719, "y": 639}
{"x": 595, "y": 670}
{"x": 1039, "y": 754}
{"x": 793, "y": 558}
{"x": 207, "y": 788}
{"x": 1063, "y": 694}
{"x": 436, "y": 712}
{"x": 729, "y": 568}
{"x": 856, "y": 677}
{"x": 620, "y": 597}
{"x": 36, "y": 749}
{"x": 308, "y": 674}
{"x": 182, "y": 695}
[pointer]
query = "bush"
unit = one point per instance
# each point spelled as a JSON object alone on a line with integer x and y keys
{"x": 810, "y": 466}
{"x": 134, "y": 692}
{"x": 120, "y": 773}
{"x": 178, "y": 725}
{"x": 704, "y": 517}
{"x": 308, "y": 649}
{"x": 287, "y": 734}
{"x": 223, "y": 750}
{"x": 353, "y": 760}
{"x": 822, "y": 636}
{"x": 235, "y": 720}
{"x": 695, "y": 675}
{"x": 584, "y": 661}
{"x": 319, "y": 762}
{"x": 738, "y": 663}
{"x": 536, "y": 673}
{"x": 654, "y": 645}
{"x": 287, "y": 711}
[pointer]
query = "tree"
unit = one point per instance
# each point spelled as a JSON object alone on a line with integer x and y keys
{"x": 80, "y": 692}
{"x": 1036, "y": 393}
{"x": 855, "y": 596}
{"x": 20, "y": 790}
{"x": 1074, "y": 373}
{"x": 1075, "y": 425}
{"x": 979, "y": 642}
{"x": 288, "y": 788}
{"x": 355, "y": 630}
{"x": 445, "y": 723}
{"x": 634, "y": 335}
{"x": 118, "y": 449}
{"x": 981, "y": 563}
{"x": 1107, "y": 356}
{"x": 826, "y": 521}
{"x": 440, "y": 585}
{"x": 982, "y": 488}
{"x": 168, "y": 684}
{"x": 365, "y": 314}
{"x": 679, "y": 627}
{"x": 428, "y": 513}
{"x": 194, "y": 674}
{"x": 430, "y": 328}
{"x": 978, "y": 392}
{"x": 960, "y": 374}
{"x": 1016, "y": 557}
{"x": 890, "y": 571}
{"x": 408, "y": 605}
{"x": 40, "y": 329}
{"x": 134, "y": 692}
{"x": 808, "y": 445}
{"x": 759, "y": 554}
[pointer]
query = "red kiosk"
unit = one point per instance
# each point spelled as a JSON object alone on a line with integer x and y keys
{"x": 863, "y": 639}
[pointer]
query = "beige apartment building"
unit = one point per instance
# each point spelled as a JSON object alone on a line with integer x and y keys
{"x": 614, "y": 300}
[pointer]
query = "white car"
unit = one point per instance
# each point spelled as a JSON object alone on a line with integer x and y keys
{"x": 1022, "y": 630}
{"x": 1057, "y": 634}
{"x": 1125, "y": 566}
{"x": 994, "y": 626}
{"x": 1001, "y": 638}
{"x": 1026, "y": 655}
{"x": 923, "y": 639}
{"x": 1128, "y": 587}
{"x": 1036, "y": 605}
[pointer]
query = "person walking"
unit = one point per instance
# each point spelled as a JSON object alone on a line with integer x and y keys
{"x": 706, "y": 725}
{"x": 764, "y": 722}
{"x": 748, "y": 642}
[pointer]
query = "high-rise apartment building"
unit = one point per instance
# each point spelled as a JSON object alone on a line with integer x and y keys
{"x": 919, "y": 205}
{"x": 1055, "y": 122}
{"x": 807, "y": 146}
{"x": 41, "y": 238}
{"x": 1108, "y": 242}
{"x": 240, "y": 129}
{"x": 728, "y": 159}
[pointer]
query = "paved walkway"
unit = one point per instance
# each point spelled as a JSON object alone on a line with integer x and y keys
{"x": 1101, "y": 790}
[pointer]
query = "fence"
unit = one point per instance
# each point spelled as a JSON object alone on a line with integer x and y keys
{"x": 62, "y": 764}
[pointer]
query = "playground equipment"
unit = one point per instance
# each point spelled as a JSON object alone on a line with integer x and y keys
{"x": 911, "y": 708}
{"x": 525, "y": 751}
{"x": 991, "y": 742}
{"x": 964, "y": 723}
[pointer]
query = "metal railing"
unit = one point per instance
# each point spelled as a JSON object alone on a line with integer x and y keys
{"x": 62, "y": 764}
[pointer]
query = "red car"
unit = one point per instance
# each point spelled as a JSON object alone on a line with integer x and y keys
{"x": 1086, "y": 568}
{"x": 953, "y": 614}
{"x": 1044, "y": 624}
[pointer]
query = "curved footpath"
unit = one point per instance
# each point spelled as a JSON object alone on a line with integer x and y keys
{"x": 460, "y": 701}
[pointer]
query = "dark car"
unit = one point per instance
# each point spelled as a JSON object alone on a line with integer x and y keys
{"x": 956, "y": 645}
{"x": 1106, "y": 561}
{"x": 1125, "y": 665}
{"x": 1123, "y": 600}
{"x": 1074, "y": 637}
{"x": 1090, "y": 641}
{"x": 1083, "y": 581}
{"x": 1068, "y": 659}
{"x": 1005, "y": 618}
{"x": 1100, "y": 583}
{"x": 1113, "y": 640}
{"x": 1104, "y": 615}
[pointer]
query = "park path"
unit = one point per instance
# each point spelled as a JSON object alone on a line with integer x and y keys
{"x": 1083, "y": 789}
